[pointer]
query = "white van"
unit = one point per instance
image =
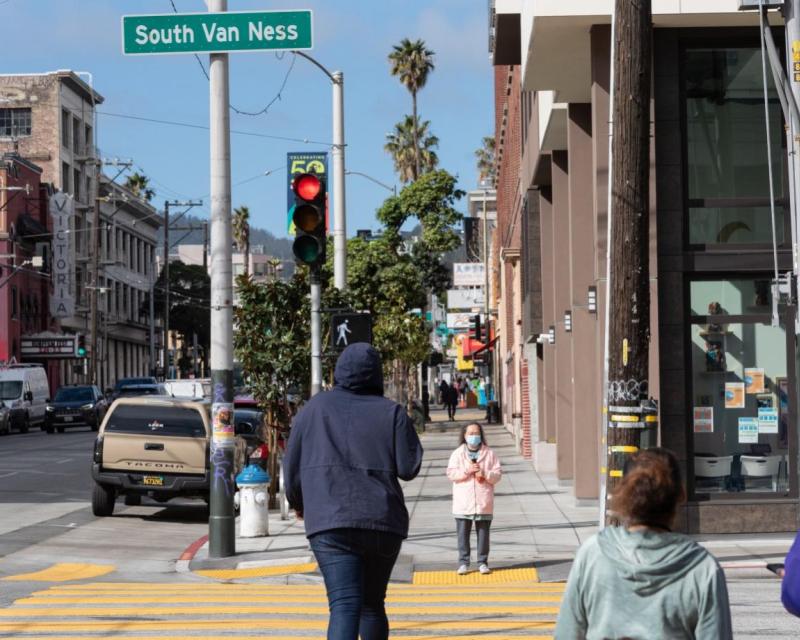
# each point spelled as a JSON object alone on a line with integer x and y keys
{"x": 25, "y": 392}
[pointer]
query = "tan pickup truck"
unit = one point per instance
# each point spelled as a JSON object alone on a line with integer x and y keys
{"x": 151, "y": 446}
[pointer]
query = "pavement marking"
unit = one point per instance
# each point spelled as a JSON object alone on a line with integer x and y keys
{"x": 184, "y": 611}
{"x": 257, "y": 572}
{"x": 8, "y": 475}
{"x": 504, "y": 576}
{"x": 63, "y": 571}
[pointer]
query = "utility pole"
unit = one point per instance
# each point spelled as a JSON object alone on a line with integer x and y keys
{"x": 205, "y": 246}
{"x": 94, "y": 199}
{"x": 339, "y": 218}
{"x": 221, "y": 521}
{"x": 316, "y": 332}
{"x": 629, "y": 328}
{"x": 486, "y": 319}
{"x": 152, "y": 321}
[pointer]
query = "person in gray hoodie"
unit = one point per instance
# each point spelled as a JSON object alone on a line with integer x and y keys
{"x": 641, "y": 581}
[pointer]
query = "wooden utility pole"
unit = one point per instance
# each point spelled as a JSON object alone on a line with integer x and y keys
{"x": 629, "y": 318}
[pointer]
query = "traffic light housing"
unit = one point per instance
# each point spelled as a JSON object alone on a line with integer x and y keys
{"x": 308, "y": 216}
{"x": 475, "y": 331}
{"x": 80, "y": 346}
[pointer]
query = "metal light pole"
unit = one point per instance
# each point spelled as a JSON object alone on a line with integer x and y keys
{"x": 339, "y": 201}
{"x": 166, "y": 290}
{"x": 486, "y": 319}
{"x": 221, "y": 521}
{"x": 393, "y": 188}
{"x": 316, "y": 333}
{"x": 152, "y": 322}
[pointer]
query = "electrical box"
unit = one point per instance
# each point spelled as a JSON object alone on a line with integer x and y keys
{"x": 750, "y": 5}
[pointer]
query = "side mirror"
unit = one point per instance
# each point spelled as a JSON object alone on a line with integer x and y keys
{"x": 28, "y": 396}
{"x": 243, "y": 428}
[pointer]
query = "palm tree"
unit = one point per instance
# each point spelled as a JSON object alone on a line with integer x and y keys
{"x": 486, "y": 158}
{"x": 412, "y": 149}
{"x": 138, "y": 184}
{"x": 411, "y": 63}
{"x": 241, "y": 233}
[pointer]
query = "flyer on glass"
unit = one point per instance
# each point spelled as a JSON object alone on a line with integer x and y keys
{"x": 704, "y": 419}
{"x": 754, "y": 380}
{"x": 734, "y": 395}
{"x": 748, "y": 430}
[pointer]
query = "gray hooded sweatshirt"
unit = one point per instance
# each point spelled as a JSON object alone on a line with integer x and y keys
{"x": 644, "y": 585}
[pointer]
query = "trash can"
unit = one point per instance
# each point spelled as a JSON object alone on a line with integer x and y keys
{"x": 253, "y": 484}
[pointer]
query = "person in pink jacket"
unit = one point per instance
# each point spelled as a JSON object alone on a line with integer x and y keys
{"x": 474, "y": 470}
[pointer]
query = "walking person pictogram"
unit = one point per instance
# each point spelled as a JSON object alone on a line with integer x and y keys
{"x": 342, "y": 331}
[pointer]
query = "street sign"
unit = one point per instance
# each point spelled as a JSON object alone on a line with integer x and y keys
{"x": 216, "y": 32}
{"x": 349, "y": 328}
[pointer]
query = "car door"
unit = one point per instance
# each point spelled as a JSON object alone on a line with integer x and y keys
{"x": 100, "y": 403}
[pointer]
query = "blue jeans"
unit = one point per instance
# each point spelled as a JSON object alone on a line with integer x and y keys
{"x": 356, "y": 565}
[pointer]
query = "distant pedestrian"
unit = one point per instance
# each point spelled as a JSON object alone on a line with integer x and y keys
{"x": 640, "y": 580}
{"x": 474, "y": 470}
{"x": 347, "y": 449}
{"x": 444, "y": 389}
{"x": 452, "y": 401}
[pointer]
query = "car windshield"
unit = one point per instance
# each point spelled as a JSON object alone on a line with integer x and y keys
{"x": 129, "y": 382}
{"x": 156, "y": 420}
{"x": 74, "y": 394}
{"x": 10, "y": 389}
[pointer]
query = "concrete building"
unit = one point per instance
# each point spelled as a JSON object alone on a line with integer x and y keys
{"x": 48, "y": 118}
{"x": 716, "y": 361}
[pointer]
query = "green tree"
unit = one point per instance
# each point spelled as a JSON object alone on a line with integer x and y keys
{"x": 241, "y": 233}
{"x": 139, "y": 184}
{"x": 412, "y": 62}
{"x": 403, "y": 145}
{"x": 485, "y": 159}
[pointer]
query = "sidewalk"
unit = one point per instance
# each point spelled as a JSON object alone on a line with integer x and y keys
{"x": 536, "y": 523}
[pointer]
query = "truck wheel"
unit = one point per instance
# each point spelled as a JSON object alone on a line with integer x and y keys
{"x": 49, "y": 428}
{"x": 133, "y": 500}
{"x": 26, "y": 425}
{"x": 60, "y": 428}
{"x": 103, "y": 500}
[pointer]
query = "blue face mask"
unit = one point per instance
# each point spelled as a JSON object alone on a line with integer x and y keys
{"x": 473, "y": 441}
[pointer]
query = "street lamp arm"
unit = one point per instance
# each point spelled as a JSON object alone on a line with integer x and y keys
{"x": 370, "y": 178}
{"x": 317, "y": 64}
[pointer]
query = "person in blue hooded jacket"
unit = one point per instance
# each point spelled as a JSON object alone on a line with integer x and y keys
{"x": 347, "y": 451}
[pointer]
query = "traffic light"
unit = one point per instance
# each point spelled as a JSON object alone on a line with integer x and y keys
{"x": 80, "y": 346}
{"x": 309, "y": 219}
{"x": 475, "y": 328}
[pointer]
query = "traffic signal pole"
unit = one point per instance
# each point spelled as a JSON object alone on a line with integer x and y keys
{"x": 339, "y": 221}
{"x": 316, "y": 332}
{"x": 221, "y": 521}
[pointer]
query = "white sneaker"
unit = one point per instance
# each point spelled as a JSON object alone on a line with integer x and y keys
{"x": 463, "y": 570}
{"x": 484, "y": 569}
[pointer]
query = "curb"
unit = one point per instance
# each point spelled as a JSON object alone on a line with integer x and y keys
{"x": 185, "y": 559}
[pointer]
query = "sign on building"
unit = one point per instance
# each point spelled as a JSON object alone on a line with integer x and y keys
{"x": 48, "y": 345}
{"x": 216, "y": 32}
{"x": 468, "y": 274}
{"x": 297, "y": 163}
{"x": 62, "y": 299}
{"x": 461, "y": 321}
{"x": 465, "y": 298}
{"x": 349, "y": 328}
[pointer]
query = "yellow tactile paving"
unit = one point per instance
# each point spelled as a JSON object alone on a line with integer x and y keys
{"x": 64, "y": 571}
{"x": 503, "y": 576}
{"x": 257, "y": 572}
{"x": 184, "y": 611}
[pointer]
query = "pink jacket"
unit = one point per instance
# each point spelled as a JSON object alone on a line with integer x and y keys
{"x": 471, "y": 497}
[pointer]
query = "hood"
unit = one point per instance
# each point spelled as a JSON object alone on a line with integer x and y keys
{"x": 359, "y": 369}
{"x": 649, "y": 560}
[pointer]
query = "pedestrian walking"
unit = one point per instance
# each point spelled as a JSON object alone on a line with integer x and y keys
{"x": 452, "y": 401}
{"x": 474, "y": 470}
{"x": 640, "y": 580}
{"x": 347, "y": 449}
{"x": 790, "y": 585}
{"x": 444, "y": 389}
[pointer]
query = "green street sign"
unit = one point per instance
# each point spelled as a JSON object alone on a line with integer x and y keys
{"x": 216, "y": 32}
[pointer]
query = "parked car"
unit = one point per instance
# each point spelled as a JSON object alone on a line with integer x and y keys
{"x": 131, "y": 382}
{"x": 247, "y": 425}
{"x": 24, "y": 391}
{"x": 148, "y": 446}
{"x": 76, "y": 406}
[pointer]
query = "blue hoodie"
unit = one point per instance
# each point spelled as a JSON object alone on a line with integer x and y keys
{"x": 347, "y": 449}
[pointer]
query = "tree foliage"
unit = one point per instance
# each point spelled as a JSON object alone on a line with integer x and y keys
{"x": 139, "y": 184}
{"x": 403, "y": 143}
{"x": 241, "y": 233}
{"x": 485, "y": 159}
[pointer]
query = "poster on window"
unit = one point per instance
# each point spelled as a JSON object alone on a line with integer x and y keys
{"x": 754, "y": 381}
{"x": 734, "y": 395}
{"x": 703, "y": 419}
{"x": 748, "y": 430}
{"x": 768, "y": 420}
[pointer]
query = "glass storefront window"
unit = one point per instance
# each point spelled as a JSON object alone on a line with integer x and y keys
{"x": 730, "y": 297}
{"x": 726, "y": 159}
{"x": 740, "y": 393}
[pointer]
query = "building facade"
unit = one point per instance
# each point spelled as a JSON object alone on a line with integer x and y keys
{"x": 723, "y": 375}
{"x": 49, "y": 119}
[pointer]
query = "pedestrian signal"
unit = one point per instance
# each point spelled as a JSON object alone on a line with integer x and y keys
{"x": 309, "y": 219}
{"x": 349, "y": 328}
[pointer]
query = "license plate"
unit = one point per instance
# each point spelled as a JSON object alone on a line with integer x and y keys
{"x": 156, "y": 481}
{"x": 68, "y": 418}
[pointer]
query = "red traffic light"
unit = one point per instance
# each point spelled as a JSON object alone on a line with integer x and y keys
{"x": 307, "y": 186}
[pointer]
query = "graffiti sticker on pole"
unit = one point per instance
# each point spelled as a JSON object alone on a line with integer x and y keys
{"x": 222, "y": 434}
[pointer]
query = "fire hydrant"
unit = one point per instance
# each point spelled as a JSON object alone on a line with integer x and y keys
{"x": 253, "y": 483}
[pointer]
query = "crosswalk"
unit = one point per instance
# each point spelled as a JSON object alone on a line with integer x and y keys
{"x": 184, "y": 611}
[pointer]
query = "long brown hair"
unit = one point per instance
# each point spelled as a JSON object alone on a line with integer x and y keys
{"x": 651, "y": 489}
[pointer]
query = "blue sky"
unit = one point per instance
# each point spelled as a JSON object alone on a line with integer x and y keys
{"x": 354, "y": 36}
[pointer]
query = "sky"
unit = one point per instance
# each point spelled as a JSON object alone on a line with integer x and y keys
{"x": 354, "y": 36}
